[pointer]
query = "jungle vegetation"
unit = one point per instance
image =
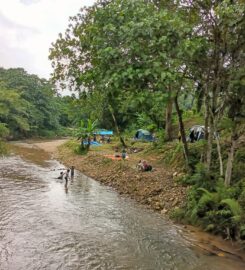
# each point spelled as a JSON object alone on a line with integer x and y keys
{"x": 155, "y": 64}
{"x": 149, "y": 63}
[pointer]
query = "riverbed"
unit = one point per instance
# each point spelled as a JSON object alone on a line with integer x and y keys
{"x": 44, "y": 225}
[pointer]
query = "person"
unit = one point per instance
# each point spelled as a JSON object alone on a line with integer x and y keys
{"x": 143, "y": 166}
{"x": 61, "y": 176}
{"x": 124, "y": 153}
{"x": 108, "y": 139}
{"x": 146, "y": 166}
{"x": 117, "y": 154}
{"x": 102, "y": 139}
{"x": 72, "y": 172}
{"x": 66, "y": 175}
{"x": 139, "y": 166}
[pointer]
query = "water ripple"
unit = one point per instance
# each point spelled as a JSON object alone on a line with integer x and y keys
{"x": 88, "y": 226}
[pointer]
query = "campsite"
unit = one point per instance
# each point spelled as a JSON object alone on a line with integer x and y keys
{"x": 122, "y": 134}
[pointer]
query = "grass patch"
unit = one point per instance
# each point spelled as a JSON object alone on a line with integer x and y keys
{"x": 3, "y": 148}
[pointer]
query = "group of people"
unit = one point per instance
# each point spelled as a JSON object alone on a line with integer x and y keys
{"x": 142, "y": 164}
{"x": 68, "y": 174}
{"x": 105, "y": 139}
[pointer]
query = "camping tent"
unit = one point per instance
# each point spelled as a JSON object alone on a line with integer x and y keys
{"x": 142, "y": 134}
{"x": 197, "y": 133}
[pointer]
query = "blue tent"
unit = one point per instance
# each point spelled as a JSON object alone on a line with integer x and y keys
{"x": 144, "y": 135}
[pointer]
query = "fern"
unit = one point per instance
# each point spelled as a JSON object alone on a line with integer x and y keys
{"x": 205, "y": 191}
{"x": 233, "y": 205}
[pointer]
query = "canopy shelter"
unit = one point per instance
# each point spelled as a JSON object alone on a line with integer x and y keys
{"x": 142, "y": 134}
{"x": 103, "y": 132}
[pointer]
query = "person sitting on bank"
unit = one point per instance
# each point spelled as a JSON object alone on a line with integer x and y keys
{"x": 144, "y": 166}
{"x": 124, "y": 153}
{"x": 117, "y": 154}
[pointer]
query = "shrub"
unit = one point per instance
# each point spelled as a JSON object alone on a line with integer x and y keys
{"x": 3, "y": 148}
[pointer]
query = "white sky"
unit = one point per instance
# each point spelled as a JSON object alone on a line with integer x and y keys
{"x": 27, "y": 29}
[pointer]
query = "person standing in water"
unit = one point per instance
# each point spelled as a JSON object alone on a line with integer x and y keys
{"x": 66, "y": 175}
{"x": 72, "y": 172}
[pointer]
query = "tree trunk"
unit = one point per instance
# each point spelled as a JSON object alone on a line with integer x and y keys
{"x": 117, "y": 128}
{"x": 230, "y": 160}
{"x": 207, "y": 115}
{"x": 168, "y": 119}
{"x": 182, "y": 132}
{"x": 221, "y": 167}
{"x": 210, "y": 143}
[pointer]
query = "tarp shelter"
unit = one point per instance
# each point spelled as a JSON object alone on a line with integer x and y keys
{"x": 92, "y": 143}
{"x": 142, "y": 134}
{"x": 104, "y": 132}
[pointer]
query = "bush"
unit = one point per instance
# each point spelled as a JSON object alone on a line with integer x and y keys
{"x": 213, "y": 206}
{"x": 47, "y": 133}
{"x": 3, "y": 148}
{"x": 178, "y": 214}
{"x": 75, "y": 147}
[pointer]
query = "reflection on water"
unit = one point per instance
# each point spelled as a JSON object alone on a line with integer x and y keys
{"x": 87, "y": 226}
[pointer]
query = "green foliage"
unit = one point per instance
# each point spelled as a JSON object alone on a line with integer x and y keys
{"x": 85, "y": 132}
{"x": 134, "y": 57}
{"x": 28, "y": 104}
{"x": 74, "y": 146}
{"x": 234, "y": 207}
{"x": 177, "y": 214}
{"x": 4, "y": 131}
{"x": 174, "y": 154}
{"x": 212, "y": 205}
{"x": 3, "y": 148}
{"x": 143, "y": 121}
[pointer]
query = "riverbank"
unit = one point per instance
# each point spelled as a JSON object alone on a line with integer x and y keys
{"x": 157, "y": 190}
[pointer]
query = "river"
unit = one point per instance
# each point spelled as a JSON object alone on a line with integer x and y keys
{"x": 87, "y": 226}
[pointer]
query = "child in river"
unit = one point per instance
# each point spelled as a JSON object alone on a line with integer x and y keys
{"x": 72, "y": 172}
{"x": 66, "y": 175}
{"x": 61, "y": 176}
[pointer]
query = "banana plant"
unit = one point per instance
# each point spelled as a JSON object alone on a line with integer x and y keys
{"x": 85, "y": 132}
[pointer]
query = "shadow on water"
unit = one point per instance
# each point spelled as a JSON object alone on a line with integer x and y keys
{"x": 43, "y": 225}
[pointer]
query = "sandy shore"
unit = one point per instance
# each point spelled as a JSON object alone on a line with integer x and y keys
{"x": 50, "y": 146}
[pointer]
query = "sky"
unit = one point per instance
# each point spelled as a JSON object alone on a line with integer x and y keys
{"x": 27, "y": 29}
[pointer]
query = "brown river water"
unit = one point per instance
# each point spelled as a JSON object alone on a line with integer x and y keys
{"x": 87, "y": 226}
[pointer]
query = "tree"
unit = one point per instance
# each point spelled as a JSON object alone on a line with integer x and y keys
{"x": 221, "y": 25}
{"x": 13, "y": 111}
{"x": 40, "y": 108}
{"x": 123, "y": 46}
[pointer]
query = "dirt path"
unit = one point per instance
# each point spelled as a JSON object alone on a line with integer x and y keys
{"x": 50, "y": 146}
